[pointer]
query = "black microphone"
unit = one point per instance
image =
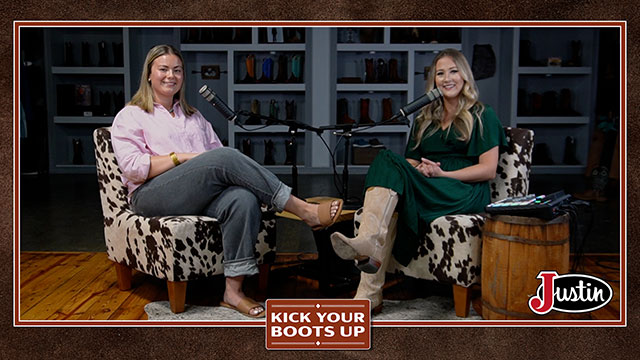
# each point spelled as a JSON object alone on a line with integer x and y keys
{"x": 418, "y": 103}
{"x": 217, "y": 103}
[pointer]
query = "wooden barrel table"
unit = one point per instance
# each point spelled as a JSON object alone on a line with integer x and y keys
{"x": 514, "y": 250}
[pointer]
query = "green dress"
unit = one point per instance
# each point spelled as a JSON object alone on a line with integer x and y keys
{"x": 423, "y": 199}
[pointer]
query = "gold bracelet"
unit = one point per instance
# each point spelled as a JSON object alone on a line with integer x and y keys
{"x": 174, "y": 157}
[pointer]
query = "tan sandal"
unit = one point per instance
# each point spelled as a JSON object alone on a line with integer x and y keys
{"x": 245, "y": 306}
{"x": 324, "y": 214}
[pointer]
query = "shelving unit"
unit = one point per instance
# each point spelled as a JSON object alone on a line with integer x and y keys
{"x": 239, "y": 95}
{"x": 72, "y": 117}
{"x": 555, "y": 118}
{"x": 411, "y": 57}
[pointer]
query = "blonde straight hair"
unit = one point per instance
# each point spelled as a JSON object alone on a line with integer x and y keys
{"x": 468, "y": 98}
{"x": 143, "y": 98}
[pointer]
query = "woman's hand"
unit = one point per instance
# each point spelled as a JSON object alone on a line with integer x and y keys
{"x": 430, "y": 168}
{"x": 184, "y": 157}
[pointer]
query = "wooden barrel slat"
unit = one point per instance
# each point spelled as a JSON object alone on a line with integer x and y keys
{"x": 514, "y": 250}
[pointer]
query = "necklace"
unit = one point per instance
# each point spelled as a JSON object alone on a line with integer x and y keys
{"x": 171, "y": 111}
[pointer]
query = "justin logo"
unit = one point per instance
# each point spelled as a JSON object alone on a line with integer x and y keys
{"x": 571, "y": 293}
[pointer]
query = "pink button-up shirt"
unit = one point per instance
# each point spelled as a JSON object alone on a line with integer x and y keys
{"x": 137, "y": 135}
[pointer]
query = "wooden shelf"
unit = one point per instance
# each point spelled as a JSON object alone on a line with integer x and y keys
{"x": 84, "y": 70}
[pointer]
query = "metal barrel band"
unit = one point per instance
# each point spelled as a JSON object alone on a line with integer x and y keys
{"x": 524, "y": 240}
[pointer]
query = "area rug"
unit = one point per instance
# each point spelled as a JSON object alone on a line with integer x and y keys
{"x": 430, "y": 308}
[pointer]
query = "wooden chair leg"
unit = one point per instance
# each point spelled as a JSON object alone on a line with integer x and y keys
{"x": 177, "y": 295}
{"x": 461, "y": 300}
{"x": 124, "y": 275}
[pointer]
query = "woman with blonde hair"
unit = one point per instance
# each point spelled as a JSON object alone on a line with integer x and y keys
{"x": 451, "y": 155}
{"x": 173, "y": 163}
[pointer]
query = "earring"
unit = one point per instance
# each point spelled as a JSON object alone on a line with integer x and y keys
{"x": 149, "y": 79}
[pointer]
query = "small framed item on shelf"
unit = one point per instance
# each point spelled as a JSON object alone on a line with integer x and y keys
{"x": 275, "y": 35}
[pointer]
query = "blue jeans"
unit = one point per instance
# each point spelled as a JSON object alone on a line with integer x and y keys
{"x": 224, "y": 184}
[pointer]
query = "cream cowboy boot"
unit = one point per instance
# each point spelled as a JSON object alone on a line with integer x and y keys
{"x": 370, "y": 286}
{"x": 379, "y": 204}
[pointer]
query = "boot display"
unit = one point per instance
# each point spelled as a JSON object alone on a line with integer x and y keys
{"x": 103, "y": 56}
{"x": 282, "y": 69}
{"x": 382, "y": 75}
{"x": 274, "y": 109}
{"x": 250, "y": 63}
{"x": 364, "y": 112}
{"x": 565, "y": 107}
{"x": 296, "y": 69}
{"x": 246, "y": 147}
{"x": 369, "y": 71}
{"x": 255, "y": 109}
{"x": 387, "y": 109}
{"x": 343, "y": 112}
{"x": 290, "y": 147}
{"x": 68, "y": 54}
{"x": 118, "y": 54}
{"x": 377, "y": 211}
{"x": 269, "y": 158}
{"x": 570, "y": 157}
{"x": 86, "y": 54}
{"x": 267, "y": 71}
{"x": 77, "y": 151}
{"x": 290, "y": 109}
{"x": 393, "y": 72}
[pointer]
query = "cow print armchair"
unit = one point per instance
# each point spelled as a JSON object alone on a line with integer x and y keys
{"x": 173, "y": 248}
{"x": 450, "y": 248}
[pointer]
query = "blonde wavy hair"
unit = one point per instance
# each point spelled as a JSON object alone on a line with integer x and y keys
{"x": 143, "y": 98}
{"x": 468, "y": 104}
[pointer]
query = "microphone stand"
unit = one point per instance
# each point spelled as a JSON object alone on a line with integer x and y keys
{"x": 293, "y": 129}
{"x": 346, "y": 130}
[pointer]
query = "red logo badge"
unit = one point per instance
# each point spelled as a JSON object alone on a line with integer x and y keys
{"x": 319, "y": 324}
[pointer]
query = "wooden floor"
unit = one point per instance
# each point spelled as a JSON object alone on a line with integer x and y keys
{"x": 82, "y": 286}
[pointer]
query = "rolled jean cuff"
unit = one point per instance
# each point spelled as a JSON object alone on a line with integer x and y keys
{"x": 281, "y": 196}
{"x": 246, "y": 267}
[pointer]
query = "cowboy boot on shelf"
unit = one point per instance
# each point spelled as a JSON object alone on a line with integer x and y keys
{"x": 290, "y": 147}
{"x": 576, "y": 53}
{"x": 536, "y": 104}
{"x": 382, "y": 72}
{"x": 290, "y": 108}
{"x": 369, "y": 71}
{"x": 282, "y": 69}
{"x": 570, "y": 157}
{"x": 564, "y": 106}
{"x": 269, "y": 158}
{"x": 343, "y": 112}
{"x": 86, "y": 54}
{"x": 296, "y": 69}
{"x": 274, "y": 109}
{"x": 118, "y": 101}
{"x": 393, "y": 72}
{"x": 370, "y": 286}
{"x": 364, "y": 112}
{"x": 267, "y": 71}
{"x": 103, "y": 56}
{"x": 550, "y": 103}
{"x": 68, "y": 54}
{"x": 377, "y": 212}
{"x": 250, "y": 63}
{"x": 254, "y": 119}
{"x": 118, "y": 54}
{"x": 246, "y": 147}
{"x": 77, "y": 151}
{"x": 387, "y": 110}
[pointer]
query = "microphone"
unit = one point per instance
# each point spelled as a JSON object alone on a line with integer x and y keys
{"x": 418, "y": 103}
{"x": 217, "y": 103}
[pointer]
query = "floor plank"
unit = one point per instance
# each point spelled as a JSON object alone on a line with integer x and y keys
{"x": 83, "y": 286}
{"x": 70, "y": 292}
